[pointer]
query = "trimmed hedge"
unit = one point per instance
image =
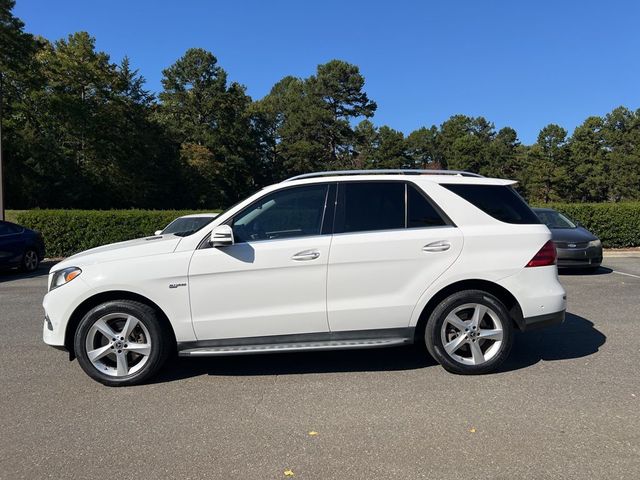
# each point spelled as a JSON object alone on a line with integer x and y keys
{"x": 67, "y": 232}
{"x": 616, "y": 224}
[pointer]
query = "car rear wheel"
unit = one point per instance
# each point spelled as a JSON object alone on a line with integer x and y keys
{"x": 30, "y": 261}
{"x": 120, "y": 343}
{"x": 470, "y": 332}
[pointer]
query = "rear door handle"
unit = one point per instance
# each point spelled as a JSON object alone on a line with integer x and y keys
{"x": 439, "y": 246}
{"x": 306, "y": 255}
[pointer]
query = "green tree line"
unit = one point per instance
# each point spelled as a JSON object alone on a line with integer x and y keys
{"x": 81, "y": 131}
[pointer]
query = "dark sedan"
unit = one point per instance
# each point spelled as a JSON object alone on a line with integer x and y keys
{"x": 577, "y": 247}
{"x": 20, "y": 247}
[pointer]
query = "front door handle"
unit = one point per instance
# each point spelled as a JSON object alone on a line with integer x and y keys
{"x": 306, "y": 255}
{"x": 439, "y": 246}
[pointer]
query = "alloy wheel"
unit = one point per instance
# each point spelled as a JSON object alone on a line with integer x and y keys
{"x": 472, "y": 334}
{"x": 30, "y": 260}
{"x": 118, "y": 344}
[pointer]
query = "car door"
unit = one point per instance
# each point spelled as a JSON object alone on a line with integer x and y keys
{"x": 390, "y": 243}
{"x": 11, "y": 244}
{"x": 272, "y": 280}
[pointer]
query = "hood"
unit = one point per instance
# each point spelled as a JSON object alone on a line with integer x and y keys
{"x": 140, "y": 247}
{"x": 576, "y": 235}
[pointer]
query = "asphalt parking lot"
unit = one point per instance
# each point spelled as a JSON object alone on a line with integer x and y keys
{"x": 566, "y": 405}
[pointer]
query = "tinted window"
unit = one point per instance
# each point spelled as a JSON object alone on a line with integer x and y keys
{"x": 420, "y": 213}
{"x": 187, "y": 226}
{"x": 7, "y": 228}
{"x": 294, "y": 212}
{"x": 553, "y": 219}
{"x": 501, "y": 202}
{"x": 364, "y": 206}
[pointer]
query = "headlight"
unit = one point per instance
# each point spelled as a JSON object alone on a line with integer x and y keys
{"x": 64, "y": 276}
{"x": 595, "y": 243}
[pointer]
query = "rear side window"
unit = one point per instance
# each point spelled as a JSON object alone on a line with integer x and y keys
{"x": 499, "y": 201}
{"x": 366, "y": 206}
{"x": 420, "y": 212}
{"x": 7, "y": 228}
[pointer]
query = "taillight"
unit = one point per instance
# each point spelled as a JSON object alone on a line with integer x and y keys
{"x": 545, "y": 256}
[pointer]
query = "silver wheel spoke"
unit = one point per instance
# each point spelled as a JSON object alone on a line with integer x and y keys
{"x": 479, "y": 325}
{"x": 113, "y": 359}
{"x": 490, "y": 334}
{"x": 476, "y": 353}
{"x": 123, "y": 364}
{"x": 456, "y": 321}
{"x": 129, "y": 326}
{"x": 455, "y": 344}
{"x": 98, "y": 353}
{"x": 141, "y": 348}
{"x": 105, "y": 329}
{"x": 478, "y": 314}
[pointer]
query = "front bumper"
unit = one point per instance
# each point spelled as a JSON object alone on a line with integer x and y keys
{"x": 58, "y": 306}
{"x": 579, "y": 257}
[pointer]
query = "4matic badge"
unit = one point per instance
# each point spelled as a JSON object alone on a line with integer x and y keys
{"x": 176, "y": 285}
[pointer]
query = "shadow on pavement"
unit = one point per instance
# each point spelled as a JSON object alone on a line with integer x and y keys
{"x": 371, "y": 360}
{"x": 584, "y": 271}
{"x": 11, "y": 274}
{"x": 575, "y": 338}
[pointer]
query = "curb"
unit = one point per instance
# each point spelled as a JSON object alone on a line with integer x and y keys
{"x": 615, "y": 254}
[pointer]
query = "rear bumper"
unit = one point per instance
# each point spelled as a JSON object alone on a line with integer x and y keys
{"x": 537, "y": 291}
{"x": 41, "y": 252}
{"x": 541, "y": 321}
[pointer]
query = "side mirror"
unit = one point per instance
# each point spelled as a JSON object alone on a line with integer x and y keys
{"x": 221, "y": 236}
{"x": 158, "y": 232}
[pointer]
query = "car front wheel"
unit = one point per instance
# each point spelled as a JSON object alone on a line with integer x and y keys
{"x": 120, "y": 343}
{"x": 470, "y": 332}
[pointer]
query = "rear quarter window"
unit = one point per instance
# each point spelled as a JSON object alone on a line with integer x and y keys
{"x": 501, "y": 202}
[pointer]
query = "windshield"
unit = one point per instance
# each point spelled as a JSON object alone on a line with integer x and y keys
{"x": 186, "y": 226}
{"x": 553, "y": 219}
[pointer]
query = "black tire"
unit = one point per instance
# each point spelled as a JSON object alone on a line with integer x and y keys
{"x": 433, "y": 332}
{"x": 30, "y": 261}
{"x": 161, "y": 342}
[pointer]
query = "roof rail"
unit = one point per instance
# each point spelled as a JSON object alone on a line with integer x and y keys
{"x": 384, "y": 172}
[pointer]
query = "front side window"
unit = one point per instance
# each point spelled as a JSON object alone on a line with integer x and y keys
{"x": 293, "y": 212}
{"x": 368, "y": 206}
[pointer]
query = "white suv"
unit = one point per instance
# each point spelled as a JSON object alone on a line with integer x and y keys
{"x": 331, "y": 260}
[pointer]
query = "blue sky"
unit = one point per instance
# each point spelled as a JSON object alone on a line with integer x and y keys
{"x": 517, "y": 64}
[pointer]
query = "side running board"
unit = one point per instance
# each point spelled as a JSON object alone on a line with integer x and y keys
{"x": 294, "y": 346}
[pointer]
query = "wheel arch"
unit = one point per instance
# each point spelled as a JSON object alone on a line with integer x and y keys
{"x": 498, "y": 291}
{"x": 102, "y": 297}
